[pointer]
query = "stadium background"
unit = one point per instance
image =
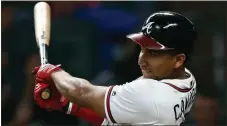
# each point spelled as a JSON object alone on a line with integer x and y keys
{"x": 88, "y": 39}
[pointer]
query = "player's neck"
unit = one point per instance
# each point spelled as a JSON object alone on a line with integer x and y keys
{"x": 179, "y": 73}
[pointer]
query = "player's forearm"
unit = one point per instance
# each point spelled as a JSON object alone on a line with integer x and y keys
{"x": 77, "y": 90}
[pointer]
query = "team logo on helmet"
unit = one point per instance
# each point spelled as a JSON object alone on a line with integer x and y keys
{"x": 147, "y": 28}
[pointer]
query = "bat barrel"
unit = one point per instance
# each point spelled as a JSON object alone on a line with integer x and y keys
{"x": 42, "y": 22}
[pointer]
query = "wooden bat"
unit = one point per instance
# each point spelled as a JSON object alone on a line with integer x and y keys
{"x": 42, "y": 33}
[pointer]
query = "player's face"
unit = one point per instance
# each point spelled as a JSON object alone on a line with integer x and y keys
{"x": 159, "y": 64}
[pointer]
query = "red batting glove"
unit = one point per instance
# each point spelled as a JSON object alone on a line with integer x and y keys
{"x": 43, "y": 82}
{"x": 43, "y": 72}
{"x": 55, "y": 102}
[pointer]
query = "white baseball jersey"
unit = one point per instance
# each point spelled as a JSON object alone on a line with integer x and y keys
{"x": 150, "y": 102}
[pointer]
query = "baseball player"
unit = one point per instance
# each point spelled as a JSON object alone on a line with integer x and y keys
{"x": 163, "y": 95}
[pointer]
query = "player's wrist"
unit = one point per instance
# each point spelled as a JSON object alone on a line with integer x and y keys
{"x": 53, "y": 68}
{"x": 45, "y": 71}
{"x": 70, "y": 108}
{"x": 66, "y": 105}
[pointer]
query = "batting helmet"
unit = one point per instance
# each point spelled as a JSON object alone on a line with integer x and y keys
{"x": 166, "y": 30}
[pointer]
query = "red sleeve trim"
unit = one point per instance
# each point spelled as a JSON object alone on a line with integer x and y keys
{"x": 180, "y": 89}
{"x": 108, "y": 105}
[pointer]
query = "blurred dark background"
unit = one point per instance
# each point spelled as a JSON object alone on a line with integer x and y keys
{"x": 88, "y": 39}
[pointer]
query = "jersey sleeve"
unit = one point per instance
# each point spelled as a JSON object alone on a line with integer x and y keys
{"x": 129, "y": 103}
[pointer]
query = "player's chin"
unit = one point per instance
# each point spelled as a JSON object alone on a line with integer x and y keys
{"x": 147, "y": 74}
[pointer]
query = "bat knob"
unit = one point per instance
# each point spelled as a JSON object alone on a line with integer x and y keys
{"x": 45, "y": 94}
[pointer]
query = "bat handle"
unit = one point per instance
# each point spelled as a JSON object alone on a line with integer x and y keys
{"x": 45, "y": 93}
{"x": 43, "y": 54}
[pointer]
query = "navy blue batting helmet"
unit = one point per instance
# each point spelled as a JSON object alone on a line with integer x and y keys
{"x": 166, "y": 30}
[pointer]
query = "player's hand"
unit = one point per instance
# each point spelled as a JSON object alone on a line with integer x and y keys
{"x": 43, "y": 72}
{"x": 54, "y": 102}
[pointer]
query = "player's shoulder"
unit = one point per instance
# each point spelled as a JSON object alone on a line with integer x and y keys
{"x": 146, "y": 89}
{"x": 169, "y": 86}
{"x": 182, "y": 85}
{"x": 146, "y": 84}
{"x": 139, "y": 89}
{"x": 143, "y": 84}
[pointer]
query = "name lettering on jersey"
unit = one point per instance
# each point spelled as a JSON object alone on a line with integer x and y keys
{"x": 179, "y": 109}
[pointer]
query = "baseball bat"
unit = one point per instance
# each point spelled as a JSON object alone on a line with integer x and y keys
{"x": 42, "y": 32}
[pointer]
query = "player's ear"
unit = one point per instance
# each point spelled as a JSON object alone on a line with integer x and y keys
{"x": 179, "y": 60}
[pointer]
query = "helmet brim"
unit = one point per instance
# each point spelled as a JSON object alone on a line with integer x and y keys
{"x": 146, "y": 41}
